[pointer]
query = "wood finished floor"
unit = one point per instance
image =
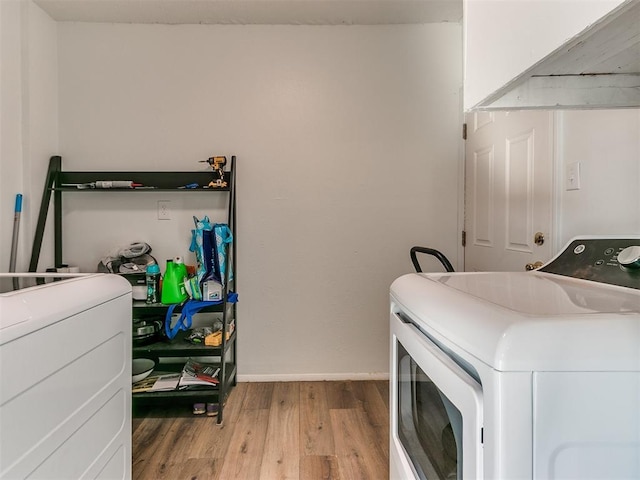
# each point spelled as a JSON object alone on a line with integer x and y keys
{"x": 272, "y": 431}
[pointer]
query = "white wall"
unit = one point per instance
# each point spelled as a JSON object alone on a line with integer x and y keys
{"x": 347, "y": 140}
{"x": 606, "y": 143}
{"x": 11, "y": 178}
{"x": 28, "y": 118}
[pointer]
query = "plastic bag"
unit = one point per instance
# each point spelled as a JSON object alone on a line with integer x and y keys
{"x": 208, "y": 242}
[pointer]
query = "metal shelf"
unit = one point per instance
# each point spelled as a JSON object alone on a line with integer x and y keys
{"x": 193, "y": 394}
{"x": 180, "y": 347}
{"x": 142, "y": 306}
{"x": 162, "y": 182}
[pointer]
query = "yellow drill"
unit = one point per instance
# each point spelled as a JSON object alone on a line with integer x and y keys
{"x": 217, "y": 163}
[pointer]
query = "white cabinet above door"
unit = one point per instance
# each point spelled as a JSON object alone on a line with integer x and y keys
{"x": 551, "y": 54}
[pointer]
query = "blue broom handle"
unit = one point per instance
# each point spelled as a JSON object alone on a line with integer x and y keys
{"x": 18, "y": 208}
{"x": 16, "y": 226}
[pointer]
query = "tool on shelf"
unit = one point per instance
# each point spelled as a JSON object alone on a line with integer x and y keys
{"x": 217, "y": 163}
{"x": 104, "y": 184}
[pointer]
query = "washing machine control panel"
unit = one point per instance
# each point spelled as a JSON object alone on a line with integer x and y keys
{"x": 614, "y": 261}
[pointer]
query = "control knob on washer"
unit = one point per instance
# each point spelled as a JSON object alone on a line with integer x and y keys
{"x": 630, "y": 257}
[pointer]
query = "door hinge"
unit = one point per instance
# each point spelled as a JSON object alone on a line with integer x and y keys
{"x": 464, "y": 238}
{"x": 464, "y": 131}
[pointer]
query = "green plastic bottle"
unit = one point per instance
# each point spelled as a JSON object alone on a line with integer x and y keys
{"x": 181, "y": 268}
{"x": 173, "y": 290}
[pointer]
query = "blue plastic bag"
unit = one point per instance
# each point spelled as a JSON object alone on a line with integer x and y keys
{"x": 222, "y": 236}
{"x": 208, "y": 242}
{"x": 189, "y": 308}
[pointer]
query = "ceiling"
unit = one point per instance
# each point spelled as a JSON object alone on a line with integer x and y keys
{"x": 265, "y": 12}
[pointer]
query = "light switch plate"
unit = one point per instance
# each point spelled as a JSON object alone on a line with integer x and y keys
{"x": 164, "y": 212}
{"x": 573, "y": 176}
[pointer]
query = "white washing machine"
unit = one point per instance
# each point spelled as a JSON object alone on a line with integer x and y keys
{"x": 65, "y": 378}
{"x": 520, "y": 374}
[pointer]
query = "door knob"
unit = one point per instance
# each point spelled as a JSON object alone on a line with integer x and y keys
{"x": 533, "y": 266}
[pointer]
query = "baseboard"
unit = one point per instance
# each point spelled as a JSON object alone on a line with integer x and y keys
{"x": 312, "y": 377}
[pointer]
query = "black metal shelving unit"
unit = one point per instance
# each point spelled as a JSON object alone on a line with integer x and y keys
{"x": 167, "y": 350}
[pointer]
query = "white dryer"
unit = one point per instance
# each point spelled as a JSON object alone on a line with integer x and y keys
{"x": 65, "y": 378}
{"x": 510, "y": 375}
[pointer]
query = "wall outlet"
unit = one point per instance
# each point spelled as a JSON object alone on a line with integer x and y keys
{"x": 573, "y": 176}
{"x": 164, "y": 213}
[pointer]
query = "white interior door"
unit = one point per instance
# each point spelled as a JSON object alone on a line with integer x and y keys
{"x": 508, "y": 189}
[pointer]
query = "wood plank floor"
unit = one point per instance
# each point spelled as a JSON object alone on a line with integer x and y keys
{"x": 272, "y": 431}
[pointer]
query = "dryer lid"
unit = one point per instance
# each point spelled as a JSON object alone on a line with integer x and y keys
{"x": 543, "y": 294}
{"x": 526, "y": 321}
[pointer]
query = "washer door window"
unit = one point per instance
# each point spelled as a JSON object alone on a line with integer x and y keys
{"x": 438, "y": 418}
{"x": 429, "y": 424}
